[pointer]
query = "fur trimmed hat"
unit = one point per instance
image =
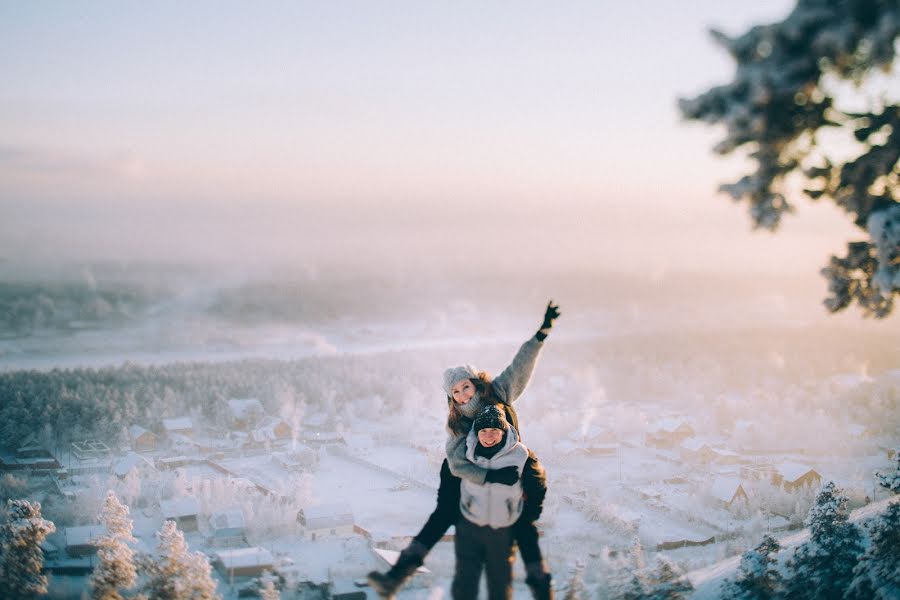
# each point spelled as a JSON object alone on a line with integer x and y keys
{"x": 490, "y": 417}
{"x": 454, "y": 375}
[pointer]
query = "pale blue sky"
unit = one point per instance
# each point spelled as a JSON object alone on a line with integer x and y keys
{"x": 131, "y": 128}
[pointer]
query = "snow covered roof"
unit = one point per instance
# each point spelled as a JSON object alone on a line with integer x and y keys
{"x": 245, "y": 557}
{"x": 130, "y": 461}
{"x": 178, "y": 424}
{"x": 242, "y": 408}
{"x": 791, "y": 471}
{"x": 724, "y": 488}
{"x": 83, "y": 535}
{"x": 136, "y": 431}
{"x": 228, "y": 519}
{"x": 328, "y": 516}
{"x": 181, "y": 507}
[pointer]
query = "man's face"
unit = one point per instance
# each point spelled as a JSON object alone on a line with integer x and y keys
{"x": 462, "y": 391}
{"x": 490, "y": 436}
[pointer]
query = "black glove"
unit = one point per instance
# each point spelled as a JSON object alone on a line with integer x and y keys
{"x": 550, "y": 315}
{"x": 506, "y": 476}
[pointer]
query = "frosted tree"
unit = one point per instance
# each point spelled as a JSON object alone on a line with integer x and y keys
{"x": 758, "y": 577}
{"x": 116, "y": 569}
{"x": 891, "y": 479}
{"x": 21, "y": 558}
{"x": 174, "y": 573}
{"x": 665, "y": 581}
{"x": 877, "y": 574}
{"x": 822, "y": 567}
{"x": 267, "y": 589}
{"x": 793, "y": 84}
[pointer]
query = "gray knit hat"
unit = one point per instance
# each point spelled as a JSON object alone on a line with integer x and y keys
{"x": 453, "y": 375}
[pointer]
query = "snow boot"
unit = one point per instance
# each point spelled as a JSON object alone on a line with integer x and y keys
{"x": 539, "y": 581}
{"x": 410, "y": 559}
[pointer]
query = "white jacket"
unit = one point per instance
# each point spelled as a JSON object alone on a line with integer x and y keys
{"x": 494, "y": 504}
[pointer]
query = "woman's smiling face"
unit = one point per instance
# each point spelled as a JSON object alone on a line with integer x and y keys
{"x": 462, "y": 391}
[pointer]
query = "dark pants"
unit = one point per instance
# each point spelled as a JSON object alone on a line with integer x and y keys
{"x": 446, "y": 513}
{"x": 482, "y": 548}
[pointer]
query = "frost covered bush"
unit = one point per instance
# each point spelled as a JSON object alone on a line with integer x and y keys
{"x": 877, "y": 574}
{"x": 758, "y": 576}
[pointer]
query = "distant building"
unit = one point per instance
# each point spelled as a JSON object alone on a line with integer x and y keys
{"x": 142, "y": 440}
{"x": 244, "y": 562}
{"x": 81, "y": 541}
{"x": 270, "y": 429}
{"x": 181, "y": 425}
{"x": 727, "y": 490}
{"x": 792, "y": 476}
{"x": 244, "y": 413}
{"x": 668, "y": 433}
{"x": 32, "y": 448}
{"x": 227, "y": 528}
{"x": 134, "y": 464}
{"x": 324, "y": 521}
{"x": 184, "y": 511}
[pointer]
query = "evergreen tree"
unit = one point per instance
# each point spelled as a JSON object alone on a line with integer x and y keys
{"x": 174, "y": 573}
{"x": 21, "y": 558}
{"x": 822, "y": 568}
{"x": 116, "y": 569}
{"x": 891, "y": 480}
{"x": 877, "y": 574}
{"x": 790, "y": 88}
{"x": 758, "y": 577}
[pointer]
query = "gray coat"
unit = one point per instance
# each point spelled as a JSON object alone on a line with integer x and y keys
{"x": 508, "y": 386}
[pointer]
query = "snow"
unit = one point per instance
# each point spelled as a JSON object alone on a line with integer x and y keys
{"x": 243, "y": 408}
{"x": 724, "y": 488}
{"x": 182, "y": 507}
{"x": 131, "y": 461}
{"x": 244, "y": 557}
{"x": 792, "y": 471}
{"x": 178, "y": 424}
{"x": 83, "y": 535}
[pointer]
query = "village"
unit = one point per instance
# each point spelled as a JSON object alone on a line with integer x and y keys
{"x": 320, "y": 504}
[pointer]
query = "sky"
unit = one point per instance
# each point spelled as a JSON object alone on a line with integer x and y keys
{"x": 378, "y": 131}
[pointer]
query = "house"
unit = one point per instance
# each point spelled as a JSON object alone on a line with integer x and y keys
{"x": 227, "y": 528}
{"x": 792, "y": 476}
{"x": 243, "y": 413}
{"x": 80, "y": 541}
{"x": 270, "y": 429}
{"x": 244, "y": 562}
{"x": 326, "y": 520}
{"x": 696, "y": 450}
{"x": 142, "y": 440}
{"x": 668, "y": 433}
{"x": 32, "y": 448}
{"x": 184, "y": 511}
{"x": 727, "y": 490}
{"x": 181, "y": 425}
{"x": 136, "y": 465}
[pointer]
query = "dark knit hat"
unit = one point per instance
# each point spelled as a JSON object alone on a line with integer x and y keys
{"x": 490, "y": 417}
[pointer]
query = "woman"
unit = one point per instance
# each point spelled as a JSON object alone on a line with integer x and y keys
{"x": 468, "y": 391}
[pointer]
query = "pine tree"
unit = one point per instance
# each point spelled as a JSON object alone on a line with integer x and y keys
{"x": 758, "y": 577}
{"x": 891, "y": 480}
{"x": 822, "y": 568}
{"x": 791, "y": 86}
{"x": 21, "y": 558}
{"x": 267, "y": 589}
{"x": 877, "y": 574}
{"x": 116, "y": 569}
{"x": 174, "y": 573}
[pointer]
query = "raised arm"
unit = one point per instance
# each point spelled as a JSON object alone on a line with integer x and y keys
{"x": 461, "y": 466}
{"x": 510, "y": 384}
